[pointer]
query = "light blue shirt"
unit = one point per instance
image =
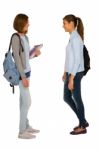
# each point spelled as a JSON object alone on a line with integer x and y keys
{"x": 74, "y": 61}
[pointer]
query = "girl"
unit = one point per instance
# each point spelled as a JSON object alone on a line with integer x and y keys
{"x": 21, "y": 24}
{"x": 74, "y": 67}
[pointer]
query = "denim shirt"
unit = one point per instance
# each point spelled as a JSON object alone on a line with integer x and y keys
{"x": 74, "y": 61}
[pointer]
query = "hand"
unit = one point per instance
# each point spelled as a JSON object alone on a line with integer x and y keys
{"x": 64, "y": 76}
{"x": 37, "y": 53}
{"x": 71, "y": 83}
{"x": 25, "y": 82}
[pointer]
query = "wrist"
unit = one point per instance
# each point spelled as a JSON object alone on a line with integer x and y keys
{"x": 72, "y": 77}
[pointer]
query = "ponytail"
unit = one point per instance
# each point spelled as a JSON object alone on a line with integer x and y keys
{"x": 80, "y": 28}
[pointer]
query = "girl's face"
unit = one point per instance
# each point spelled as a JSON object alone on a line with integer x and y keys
{"x": 25, "y": 29}
{"x": 68, "y": 26}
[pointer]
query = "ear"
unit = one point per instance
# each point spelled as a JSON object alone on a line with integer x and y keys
{"x": 72, "y": 24}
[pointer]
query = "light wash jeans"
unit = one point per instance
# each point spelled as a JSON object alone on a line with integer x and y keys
{"x": 25, "y": 103}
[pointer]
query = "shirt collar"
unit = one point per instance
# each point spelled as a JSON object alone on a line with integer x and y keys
{"x": 73, "y": 34}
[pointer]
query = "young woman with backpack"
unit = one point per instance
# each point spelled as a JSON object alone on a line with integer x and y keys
{"x": 74, "y": 70}
{"x": 21, "y": 57}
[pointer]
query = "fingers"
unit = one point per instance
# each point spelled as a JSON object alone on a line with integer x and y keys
{"x": 37, "y": 52}
{"x": 70, "y": 86}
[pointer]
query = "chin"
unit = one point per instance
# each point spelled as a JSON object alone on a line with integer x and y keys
{"x": 26, "y": 32}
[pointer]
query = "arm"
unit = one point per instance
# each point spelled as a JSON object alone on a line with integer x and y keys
{"x": 16, "y": 49}
{"x": 31, "y": 55}
{"x": 76, "y": 55}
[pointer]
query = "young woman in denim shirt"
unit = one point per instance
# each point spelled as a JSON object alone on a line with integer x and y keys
{"x": 73, "y": 71}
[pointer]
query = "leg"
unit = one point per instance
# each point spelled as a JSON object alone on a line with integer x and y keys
{"x": 68, "y": 96}
{"x": 78, "y": 99}
{"x": 27, "y": 123}
{"x": 25, "y": 102}
{"x": 81, "y": 129}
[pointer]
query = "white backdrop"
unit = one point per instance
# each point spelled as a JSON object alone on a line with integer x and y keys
{"x": 48, "y": 112}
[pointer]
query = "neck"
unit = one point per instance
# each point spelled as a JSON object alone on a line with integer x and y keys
{"x": 71, "y": 30}
{"x": 21, "y": 34}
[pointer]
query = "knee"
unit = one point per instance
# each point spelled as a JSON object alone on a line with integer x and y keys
{"x": 27, "y": 104}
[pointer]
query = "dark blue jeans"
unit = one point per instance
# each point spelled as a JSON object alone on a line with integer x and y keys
{"x": 74, "y": 99}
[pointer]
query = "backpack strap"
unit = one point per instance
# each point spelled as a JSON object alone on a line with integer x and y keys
{"x": 11, "y": 41}
{"x": 13, "y": 89}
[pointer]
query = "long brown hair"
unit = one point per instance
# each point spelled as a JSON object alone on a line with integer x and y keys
{"x": 77, "y": 23}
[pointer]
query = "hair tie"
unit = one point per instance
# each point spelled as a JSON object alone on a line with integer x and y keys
{"x": 77, "y": 20}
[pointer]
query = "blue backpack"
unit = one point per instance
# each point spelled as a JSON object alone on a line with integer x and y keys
{"x": 11, "y": 72}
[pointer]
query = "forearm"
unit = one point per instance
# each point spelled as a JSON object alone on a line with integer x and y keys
{"x": 31, "y": 55}
{"x": 19, "y": 65}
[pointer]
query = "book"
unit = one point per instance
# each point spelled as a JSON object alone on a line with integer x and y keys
{"x": 35, "y": 48}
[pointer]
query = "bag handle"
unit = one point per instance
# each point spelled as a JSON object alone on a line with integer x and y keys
{"x": 11, "y": 41}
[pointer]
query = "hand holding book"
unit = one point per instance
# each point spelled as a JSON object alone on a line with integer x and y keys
{"x": 35, "y": 51}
